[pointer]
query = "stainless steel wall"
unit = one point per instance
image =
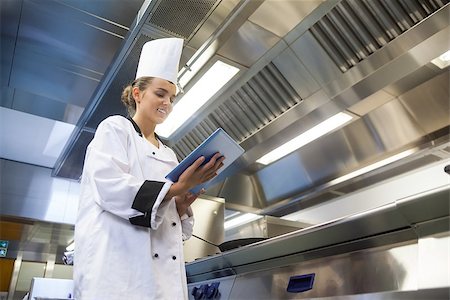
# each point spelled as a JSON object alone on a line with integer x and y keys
{"x": 30, "y": 192}
{"x": 209, "y": 216}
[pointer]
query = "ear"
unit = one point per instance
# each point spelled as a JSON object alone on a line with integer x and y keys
{"x": 135, "y": 92}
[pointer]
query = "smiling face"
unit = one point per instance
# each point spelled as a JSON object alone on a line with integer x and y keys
{"x": 154, "y": 104}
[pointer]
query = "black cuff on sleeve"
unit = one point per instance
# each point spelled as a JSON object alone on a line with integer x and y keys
{"x": 141, "y": 220}
{"x": 146, "y": 196}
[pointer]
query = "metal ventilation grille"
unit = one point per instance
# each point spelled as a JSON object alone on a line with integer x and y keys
{"x": 355, "y": 29}
{"x": 181, "y": 17}
{"x": 259, "y": 101}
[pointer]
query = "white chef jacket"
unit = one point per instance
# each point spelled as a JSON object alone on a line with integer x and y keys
{"x": 128, "y": 241}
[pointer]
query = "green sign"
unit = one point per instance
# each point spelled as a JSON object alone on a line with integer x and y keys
{"x": 3, "y": 248}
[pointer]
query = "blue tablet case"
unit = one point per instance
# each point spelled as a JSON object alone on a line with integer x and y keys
{"x": 218, "y": 141}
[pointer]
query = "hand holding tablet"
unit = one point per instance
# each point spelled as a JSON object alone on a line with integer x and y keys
{"x": 218, "y": 142}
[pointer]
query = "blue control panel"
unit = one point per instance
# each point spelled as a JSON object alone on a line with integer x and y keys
{"x": 206, "y": 291}
{"x": 301, "y": 283}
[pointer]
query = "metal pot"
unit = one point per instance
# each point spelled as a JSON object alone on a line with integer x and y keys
{"x": 233, "y": 244}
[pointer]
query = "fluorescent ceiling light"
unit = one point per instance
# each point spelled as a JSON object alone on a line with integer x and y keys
{"x": 372, "y": 167}
{"x": 245, "y": 218}
{"x": 305, "y": 138}
{"x": 442, "y": 61}
{"x": 212, "y": 81}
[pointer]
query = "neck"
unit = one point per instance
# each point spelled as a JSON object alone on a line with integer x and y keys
{"x": 147, "y": 128}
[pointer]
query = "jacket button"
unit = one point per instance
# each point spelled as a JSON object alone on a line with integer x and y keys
{"x": 174, "y": 224}
{"x": 156, "y": 255}
{"x": 174, "y": 257}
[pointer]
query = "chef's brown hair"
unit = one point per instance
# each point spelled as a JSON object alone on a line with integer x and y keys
{"x": 142, "y": 84}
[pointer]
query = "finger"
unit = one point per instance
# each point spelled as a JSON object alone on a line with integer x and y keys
{"x": 196, "y": 164}
{"x": 213, "y": 171}
{"x": 219, "y": 163}
{"x": 202, "y": 191}
{"x": 210, "y": 176}
{"x": 212, "y": 161}
{"x": 191, "y": 198}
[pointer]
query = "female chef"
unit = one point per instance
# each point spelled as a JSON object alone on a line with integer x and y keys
{"x": 131, "y": 220}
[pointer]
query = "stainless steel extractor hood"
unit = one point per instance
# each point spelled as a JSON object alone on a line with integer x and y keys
{"x": 370, "y": 59}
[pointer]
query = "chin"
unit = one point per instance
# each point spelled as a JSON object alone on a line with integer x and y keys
{"x": 160, "y": 121}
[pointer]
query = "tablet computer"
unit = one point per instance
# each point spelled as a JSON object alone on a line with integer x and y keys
{"x": 218, "y": 141}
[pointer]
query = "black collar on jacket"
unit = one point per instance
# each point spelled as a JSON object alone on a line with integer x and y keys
{"x": 138, "y": 130}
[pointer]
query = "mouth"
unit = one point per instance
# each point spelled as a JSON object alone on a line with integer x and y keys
{"x": 161, "y": 110}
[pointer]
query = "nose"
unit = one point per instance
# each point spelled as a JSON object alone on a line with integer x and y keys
{"x": 166, "y": 100}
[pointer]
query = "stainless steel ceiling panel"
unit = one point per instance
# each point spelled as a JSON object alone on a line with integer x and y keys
{"x": 414, "y": 79}
{"x": 393, "y": 126}
{"x": 241, "y": 193}
{"x": 371, "y": 102}
{"x": 112, "y": 11}
{"x": 314, "y": 163}
{"x": 283, "y": 178}
{"x": 288, "y": 14}
{"x": 215, "y": 19}
{"x": 429, "y": 103}
{"x": 50, "y": 62}
{"x": 315, "y": 59}
{"x": 93, "y": 47}
{"x": 32, "y": 75}
{"x": 295, "y": 73}
{"x": 361, "y": 142}
{"x": 7, "y": 96}
{"x": 10, "y": 11}
{"x": 331, "y": 155}
{"x": 228, "y": 19}
{"x": 255, "y": 40}
{"x": 39, "y": 105}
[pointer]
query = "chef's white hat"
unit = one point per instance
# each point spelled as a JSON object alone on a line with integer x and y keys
{"x": 160, "y": 58}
